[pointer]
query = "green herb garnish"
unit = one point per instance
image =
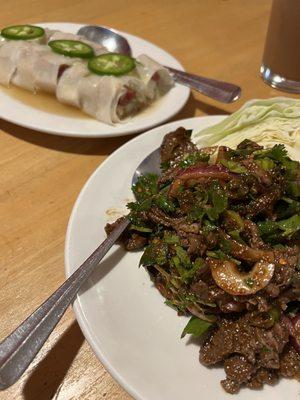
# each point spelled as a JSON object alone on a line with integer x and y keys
{"x": 196, "y": 327}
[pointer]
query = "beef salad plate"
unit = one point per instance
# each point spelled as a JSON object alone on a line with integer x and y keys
{"x": 54, "y": 80}
{"x": 207, "y": 274}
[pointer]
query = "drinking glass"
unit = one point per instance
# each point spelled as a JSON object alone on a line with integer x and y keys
{"x": 280, "y": 67}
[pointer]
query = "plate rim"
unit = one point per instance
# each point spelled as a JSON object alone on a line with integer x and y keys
{"x": 77, "y": 308}
{"x": 130, "y": 131}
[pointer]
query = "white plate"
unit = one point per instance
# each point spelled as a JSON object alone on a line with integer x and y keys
{"x": 25, "y": 115}
{"x": 122, "y": 315}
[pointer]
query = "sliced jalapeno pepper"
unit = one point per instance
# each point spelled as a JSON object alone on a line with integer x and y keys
{"x": 111, "y": 64}
{"x": 22, "y": 32}
{"x": 72, "y": 48}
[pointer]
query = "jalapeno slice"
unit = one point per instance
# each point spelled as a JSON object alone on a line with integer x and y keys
{"x": 22, "y": 32}
{"x": 72, "y": 48}
{"x": 111, "y": 64}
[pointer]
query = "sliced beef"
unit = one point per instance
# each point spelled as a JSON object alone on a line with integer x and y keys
{"x": 290, "y": 362}
{"x": 261, "y": 174}
{"x": 197, "y": 246}
{"x": 161, "y": 286}
{"x": 259, "y": 302}
{"x": 110, "y": 227}
{"x": 209, "y": 292}
{"x": 158, "y": 216}
{"x": 238, "y": 369}
{"x": 283, "y": 274}
{"x": 202, "y": 291}
{"x": 244, "y": 349}
{"x": 131, "y": 240}
{"x": 262, "y": 376}
{"x": 238, "y": 337}
{"x": 252, "y": 235}
{"x": 230, "y": 386}
{"x": 186, "y": 201}
{"x": 249, "y": 145}
{"x": 288, "y": 295}
{"x": 262, "y": 204}
{"x": 176, "y": 144}
{"x": 272, "y": 290}
{"x": 135, "y": 242}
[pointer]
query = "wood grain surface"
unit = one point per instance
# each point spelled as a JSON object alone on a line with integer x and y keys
{"x": 41, "y": 175}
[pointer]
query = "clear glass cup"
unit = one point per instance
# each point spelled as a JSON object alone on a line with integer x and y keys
{"x": 280, "y": 67}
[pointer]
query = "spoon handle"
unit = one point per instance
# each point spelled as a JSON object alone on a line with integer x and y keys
{"x": 22, "y": 345}
{"x": 218, "y": 90}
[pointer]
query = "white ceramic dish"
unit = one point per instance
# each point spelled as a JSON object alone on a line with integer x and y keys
{"x": 122, "y": 315}
{"x": 20, "y": 113}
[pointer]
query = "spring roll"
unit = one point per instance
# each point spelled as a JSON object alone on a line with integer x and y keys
{"x": 10, "y": 54}
{"x": 68, "y": 85}
{"x": 156, "y": 78}
{"x": 110, "y": 99}
{"x": 49, "y": 69}
{"x": 26, "y": 71}
{"x": 31, "y": 66}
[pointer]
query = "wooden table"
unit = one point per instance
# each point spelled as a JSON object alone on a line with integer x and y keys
{"x": 41, "y": 175}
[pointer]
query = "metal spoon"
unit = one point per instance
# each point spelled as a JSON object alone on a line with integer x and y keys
{"x": 218, "y": 90}
{"x": 19, "y": 349}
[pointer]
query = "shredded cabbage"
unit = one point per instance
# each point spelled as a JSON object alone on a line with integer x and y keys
{"x": 267, "y": 122}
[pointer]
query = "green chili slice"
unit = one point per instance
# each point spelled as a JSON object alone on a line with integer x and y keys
{"x": 111, "y": 64}
{"x": 72, "y": 48}
{"x": 22, "y": 32}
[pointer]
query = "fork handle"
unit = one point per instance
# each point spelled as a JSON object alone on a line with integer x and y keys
{"x": 22, "y": 345}
{"x": 218, "y": 90}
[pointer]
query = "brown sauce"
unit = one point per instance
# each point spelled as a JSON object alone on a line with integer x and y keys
{"x": 44, "y": 102}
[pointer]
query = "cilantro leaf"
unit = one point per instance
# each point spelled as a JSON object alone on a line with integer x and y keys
{"x": 183, "y": 256}
{"x": 155, "y": 253}
{"x": 290, "y": 226}
{"x": 293, "y": 189}
{"x": 196, "y": 213}
{"x": 219, "y": 254}
{"x": 184, "y": 266}
{"x": 196, "y": 327}
{"x": 287, "y": 207}
{"x": 171, "y": 238}
{"x": 194, "y": 158}
{"x": 277, "y": 153}
{"x": 219, "y": 202}
{"x": 136, "y": 208}
{"x": 145, "y": 187}
{"x": 267, "y": 228}
{"x": 164, "y": 203}
{"x": 285, "y": 227}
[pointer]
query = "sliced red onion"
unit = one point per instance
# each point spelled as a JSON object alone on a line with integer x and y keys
{"x": 201, "y": 173}
{"x": 296, "y": 322}
{"x": 293, "y": 326}
{"x": 205, "y": 171}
